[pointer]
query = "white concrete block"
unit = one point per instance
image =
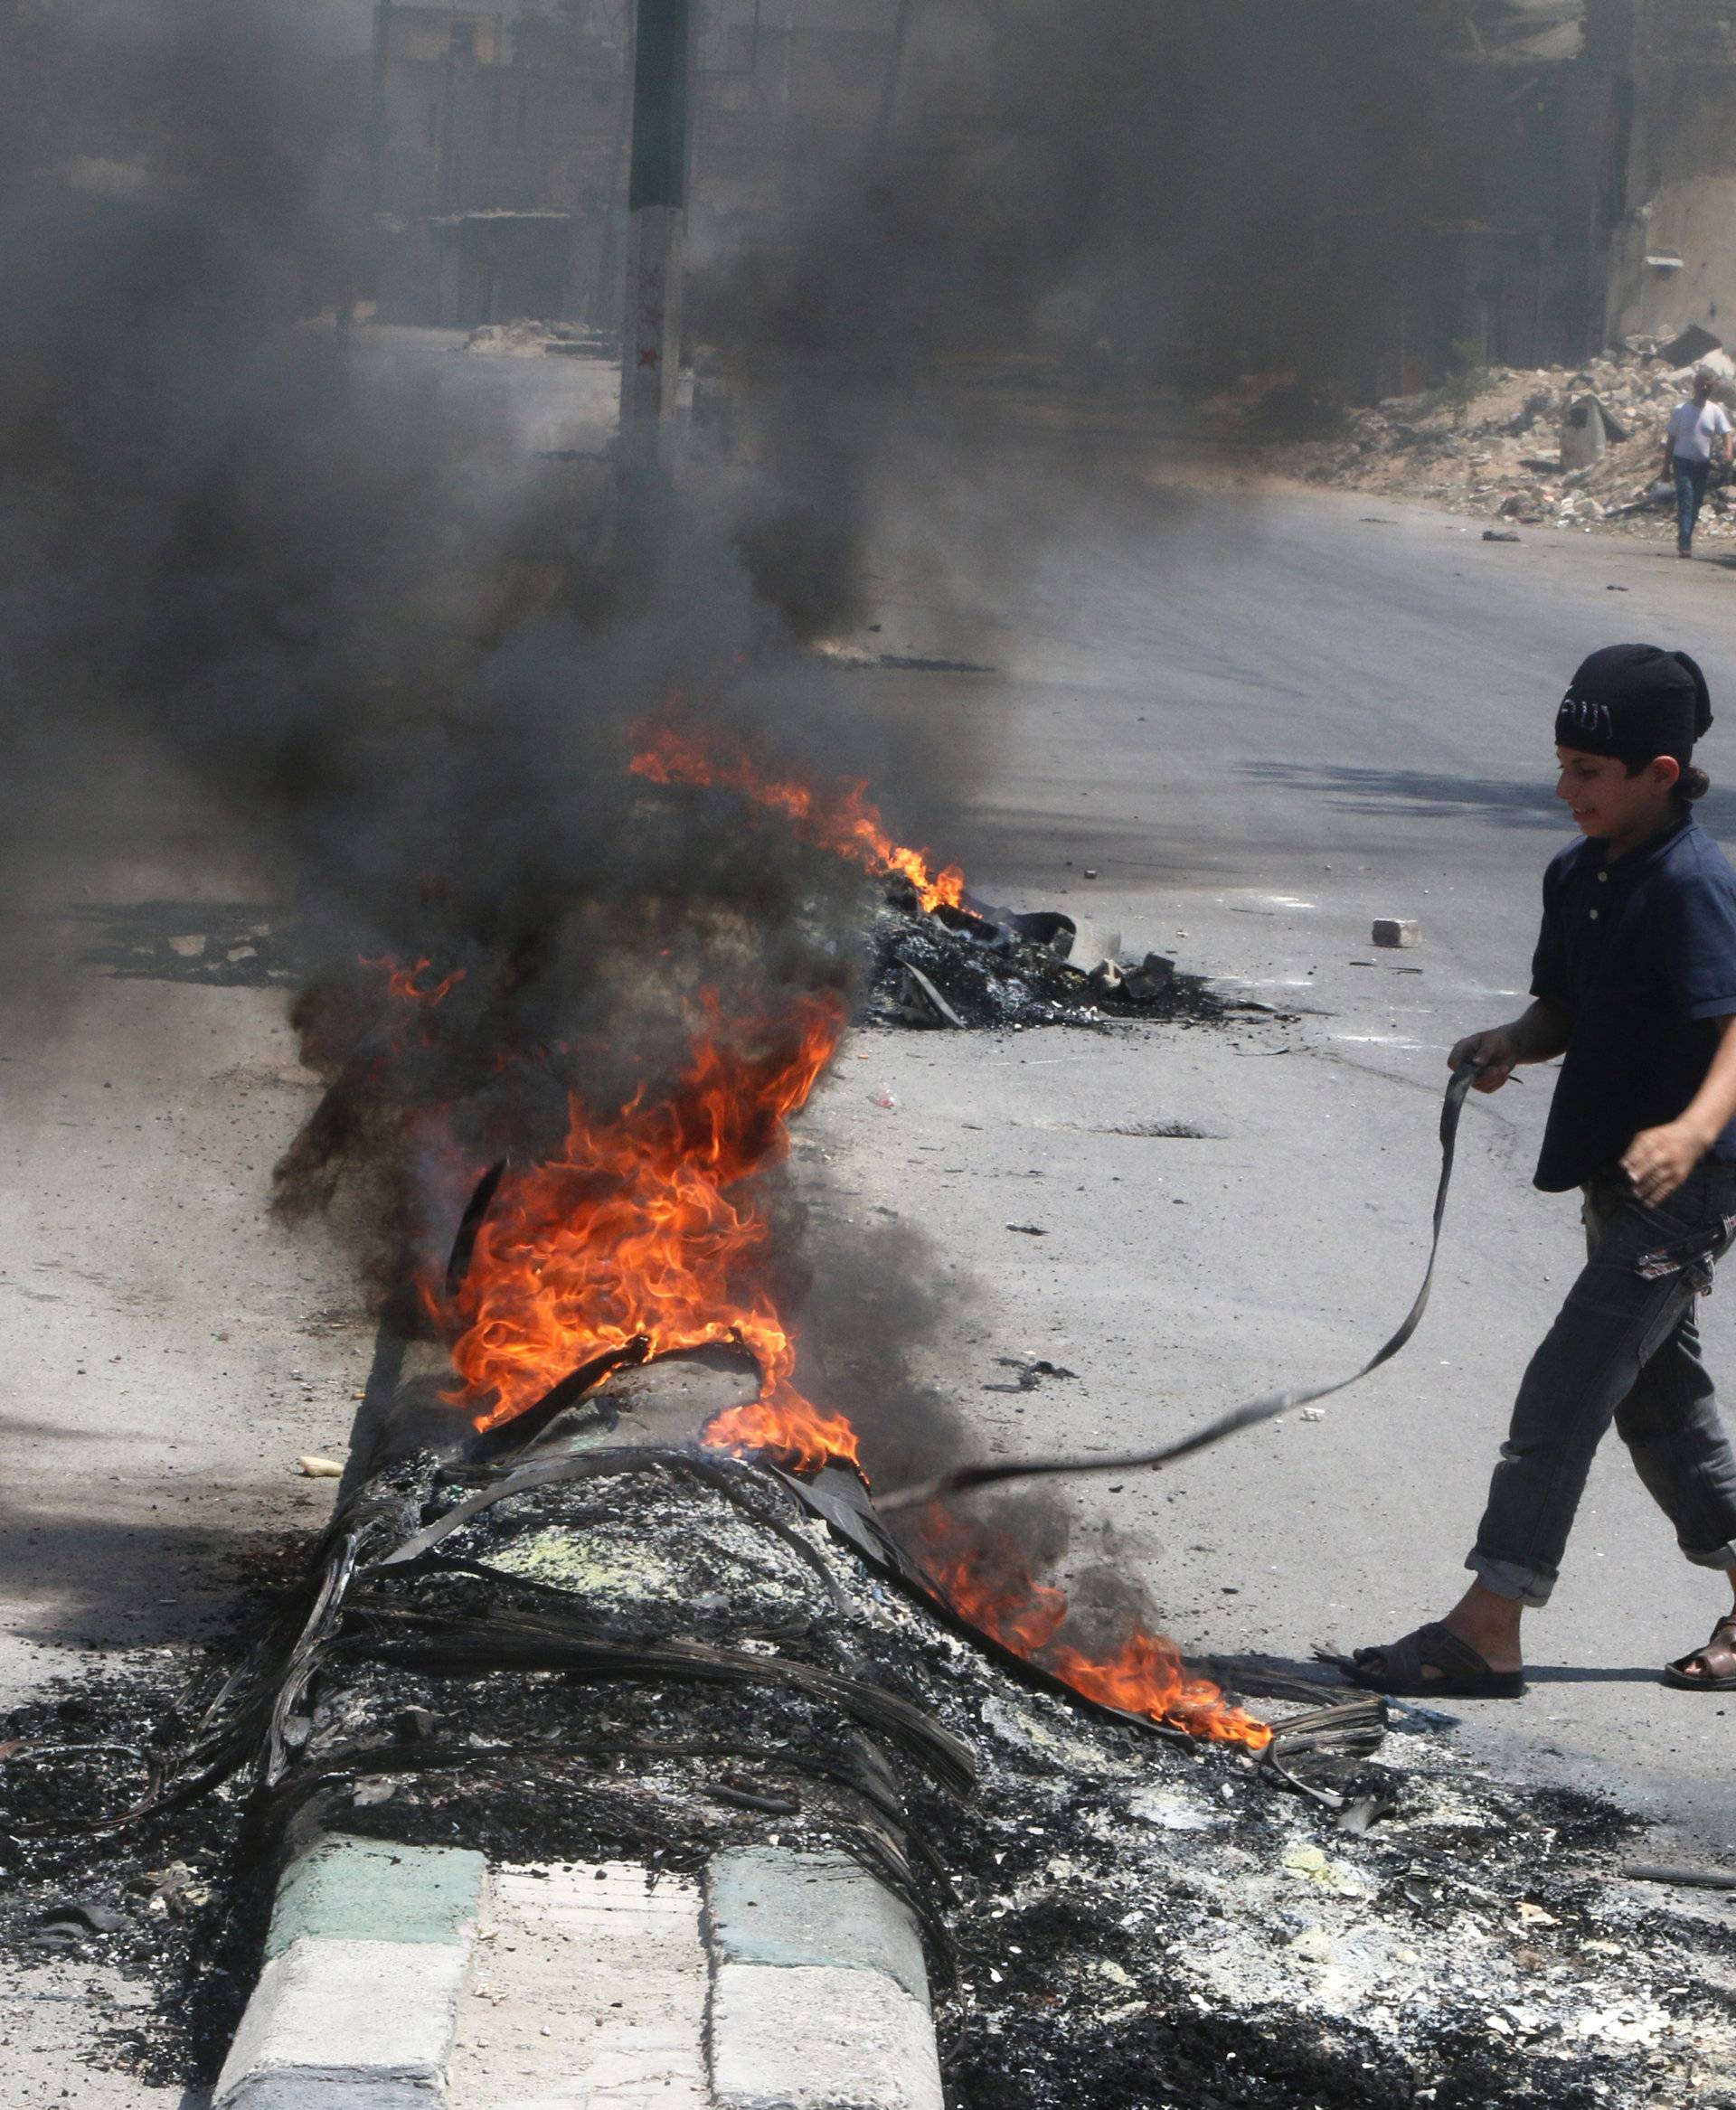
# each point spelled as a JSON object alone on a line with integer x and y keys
{"x": 346, "y": 2014}
{"x": 587, "y": 1992}
{"x": 809, "y": 2038}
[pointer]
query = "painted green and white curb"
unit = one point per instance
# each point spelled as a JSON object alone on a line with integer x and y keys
{"x": 413, "y": 1978}
{"x": 368, "y": 1950}
{"x": 819, "y": 1996}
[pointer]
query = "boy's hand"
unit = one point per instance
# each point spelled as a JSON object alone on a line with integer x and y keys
{"x": 1494, "y": 1050}
{"x": 1658, "y": 1160}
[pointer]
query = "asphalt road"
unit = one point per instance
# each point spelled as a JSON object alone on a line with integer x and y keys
{"x": 1260, "y": 721}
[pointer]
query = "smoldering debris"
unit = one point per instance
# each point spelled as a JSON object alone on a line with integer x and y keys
{"x": 1112, "y": 1919}
{"x": 975, "y": 967}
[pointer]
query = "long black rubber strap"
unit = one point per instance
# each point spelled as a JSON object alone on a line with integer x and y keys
{"x": 1251, "y": 1413}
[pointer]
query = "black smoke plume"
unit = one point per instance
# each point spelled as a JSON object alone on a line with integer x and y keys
{"x": 404, "y": 663}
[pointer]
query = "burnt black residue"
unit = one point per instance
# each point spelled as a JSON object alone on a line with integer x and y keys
{"x": 991, "y": 975}
{"x": 659, "y": 1657}
{"x": 166, "y": 1905}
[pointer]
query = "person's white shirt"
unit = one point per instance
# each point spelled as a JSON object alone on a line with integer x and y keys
{"x": 1695, "y": 426}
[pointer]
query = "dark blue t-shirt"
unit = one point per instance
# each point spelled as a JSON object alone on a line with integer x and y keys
{"x": 1641, "y": 951}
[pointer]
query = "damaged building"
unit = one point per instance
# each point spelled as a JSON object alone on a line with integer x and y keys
{"x": 497, "y": 143}
{"x": 1558, "y": 173}
{"x": 1588, "y": 195}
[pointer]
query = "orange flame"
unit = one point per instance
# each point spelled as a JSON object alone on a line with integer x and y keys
{"x": 1146, "y": 1676}
{"x": 645, "y": 1223}
{"x": 640, "y": 1225}
{"x": 841, "y": 820}
{"x": 986, "y": 1582}
{"x": 401, "y": 981}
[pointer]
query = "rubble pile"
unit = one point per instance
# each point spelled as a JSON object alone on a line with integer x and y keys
{"x": 529, "y": 339}
{"x": 1559, "y": 446}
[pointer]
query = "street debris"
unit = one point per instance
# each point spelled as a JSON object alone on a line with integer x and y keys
{"x": 73, "y": 1922}
{"x": 227, "y": 945}
{"x": 312, "y": 1468}
{"x": 1395, "y": 931}
{"x": 530, "y": 339}
{"x": 938, "y": 956}
{"x": 1640, "y": 1871}
{"x": 974, "y": 965}
{"x": 1027, "y": 1375}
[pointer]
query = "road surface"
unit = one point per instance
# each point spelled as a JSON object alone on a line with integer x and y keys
{"x": 1262, "y": 724}
{"x": 1260, "y": 721}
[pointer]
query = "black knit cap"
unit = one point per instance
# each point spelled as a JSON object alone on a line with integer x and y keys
{"x": 1634, "y": 702}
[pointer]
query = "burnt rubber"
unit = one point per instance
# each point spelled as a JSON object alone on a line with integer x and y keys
{"x": 1462, "y": 1672}
{"x": 1722, "y": 1641}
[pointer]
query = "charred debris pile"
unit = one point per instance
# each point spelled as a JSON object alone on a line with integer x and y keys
{"x": 604, "y": 1643}
{"x": 974, "y": 965}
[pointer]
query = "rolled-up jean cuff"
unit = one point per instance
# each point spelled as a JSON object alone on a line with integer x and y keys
{"x": 1508, "y": 1578}
{"x": 1719, "y": 1557}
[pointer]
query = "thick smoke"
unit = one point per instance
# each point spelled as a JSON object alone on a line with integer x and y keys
{"x": 406, "y": 662}
{"x": 406, "y": 665}
{"x": 1104, "y": 195}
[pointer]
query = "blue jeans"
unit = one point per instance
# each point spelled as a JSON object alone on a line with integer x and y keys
{"x": 1625, "y": 1349}
{"x": 1690, "y": 495}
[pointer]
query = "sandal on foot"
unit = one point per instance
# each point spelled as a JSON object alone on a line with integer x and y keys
{"x": 1462, "y": 1673}
{"x": 1717, "y": 1663}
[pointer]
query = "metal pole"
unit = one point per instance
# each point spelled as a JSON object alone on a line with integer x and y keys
{"x": 368, "y": 257}
{"x": 656, "y": 204}
{"x": 601, "y": 305}
{"x": 893, "y": 75}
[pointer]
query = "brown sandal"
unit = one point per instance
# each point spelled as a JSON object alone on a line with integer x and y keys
{"x": 1717, "y": 1661}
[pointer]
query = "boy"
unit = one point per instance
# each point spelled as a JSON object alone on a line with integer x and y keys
{"x": 1698, "y": 428}
{"x": 1635, "y": 983}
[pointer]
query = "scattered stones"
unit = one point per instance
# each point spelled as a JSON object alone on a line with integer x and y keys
{"x": 312, "y": 1468}
{"x": 1395, "y": 931}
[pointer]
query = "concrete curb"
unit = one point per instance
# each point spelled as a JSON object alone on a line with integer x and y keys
{"x": 413, "y": 1978}
{"x": 368, "y": 1949}
{"x": 819, "y": 1996}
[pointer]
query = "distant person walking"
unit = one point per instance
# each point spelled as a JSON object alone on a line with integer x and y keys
{"x": 1699, "y": 431}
